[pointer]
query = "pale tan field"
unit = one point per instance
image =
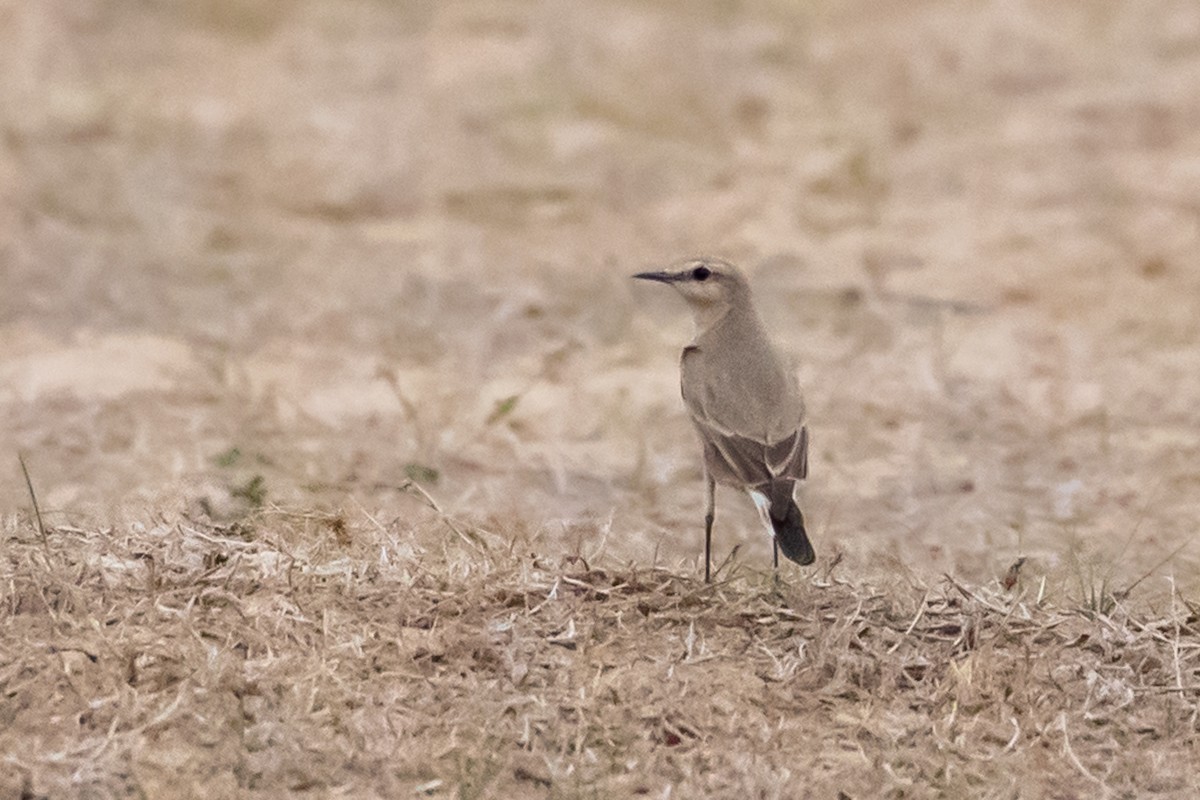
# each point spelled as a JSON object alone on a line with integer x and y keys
{"x": 361, "y": 462}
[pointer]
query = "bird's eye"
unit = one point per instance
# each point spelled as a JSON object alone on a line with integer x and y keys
{"x": 701, "y": 273}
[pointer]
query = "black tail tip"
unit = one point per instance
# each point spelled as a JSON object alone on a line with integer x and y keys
{"x": 800, "y": 552}
{"x": 792, "y": 538}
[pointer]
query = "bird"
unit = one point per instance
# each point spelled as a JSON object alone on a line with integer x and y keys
{"x": 745, "y": 402}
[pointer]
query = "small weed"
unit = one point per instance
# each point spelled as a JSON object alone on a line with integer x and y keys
{"x": 421, "y": 473}
{"x": 228, "y": 458}
{"x": 503, "y": 408}
{"x": 253, "y": 491}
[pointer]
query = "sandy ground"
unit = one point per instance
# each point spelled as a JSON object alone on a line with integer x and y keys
{"x": 267, "y": 262}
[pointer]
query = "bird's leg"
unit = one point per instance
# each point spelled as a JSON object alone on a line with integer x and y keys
{"x": 708, "y": 523}
{"x": 775, "y": 564}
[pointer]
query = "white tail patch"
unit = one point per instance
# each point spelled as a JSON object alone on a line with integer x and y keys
{"x": 764, "y": 509}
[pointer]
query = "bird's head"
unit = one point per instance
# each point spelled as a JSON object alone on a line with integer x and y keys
{"x": 707, "y": 284}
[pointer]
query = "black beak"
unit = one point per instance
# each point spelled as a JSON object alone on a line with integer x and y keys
{"x": 661, "y": 277}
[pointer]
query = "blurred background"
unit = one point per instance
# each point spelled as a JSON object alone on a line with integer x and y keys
{"x": 302, "y": 252}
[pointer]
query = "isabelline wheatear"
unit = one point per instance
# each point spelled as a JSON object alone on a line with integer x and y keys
{"x": 745, "y": 402}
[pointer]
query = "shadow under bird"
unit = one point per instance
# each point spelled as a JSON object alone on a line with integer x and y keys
{"x": 745, "y": 402}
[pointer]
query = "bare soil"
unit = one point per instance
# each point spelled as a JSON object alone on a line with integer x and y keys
{"x": 361, "y": 464}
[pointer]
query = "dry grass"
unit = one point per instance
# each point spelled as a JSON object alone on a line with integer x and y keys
{"x": 345, "y": 656}
{"x": 259, "y": 256}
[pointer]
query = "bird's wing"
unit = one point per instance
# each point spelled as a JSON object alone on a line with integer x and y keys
{"x": 735, "y": 453}
{"x": 749, "y": 461}
{"x": 788, "y": 458}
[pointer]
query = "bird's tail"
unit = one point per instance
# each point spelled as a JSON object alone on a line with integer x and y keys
{"x": 788, "y": 523}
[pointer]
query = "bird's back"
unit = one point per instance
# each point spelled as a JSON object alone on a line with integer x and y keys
{"x": 736, "y": 382}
